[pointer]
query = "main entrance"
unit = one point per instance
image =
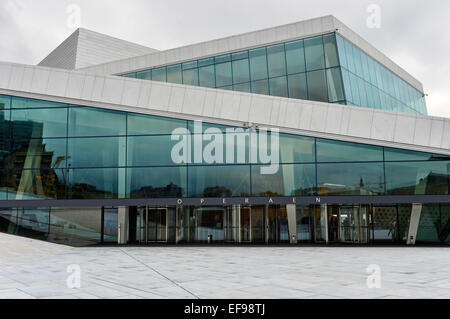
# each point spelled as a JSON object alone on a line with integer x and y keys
{"x": 255, "y": 224}
{"x": 345, "y": 224}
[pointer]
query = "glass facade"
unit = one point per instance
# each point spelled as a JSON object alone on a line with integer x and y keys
{"x": 52, "y": 151}
{"x": 70, "y": 154}
{"x": 324, "y": 68}
{"x": 304, "y": 69}
{"x": 369, "y": 84}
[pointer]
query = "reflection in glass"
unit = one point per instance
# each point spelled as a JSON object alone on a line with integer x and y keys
{"x": 37, "y": 184}
{"x": 97, "y": 152}
{"x": 350, "y": 179}
{"x": 39, "y": 123}
{"x": 154, "y": 182}
{"x": 290, "y": 180}
{"x": 276, "y": 60}
{"x": 139, "y": 124}
{"x": 97, "y": 183}
{"x": 314, "y": 53}
{"x": 88, "y": 121}
{"x": 219, "y": 181}
{"x": 317, "y": 86}
{"x": 37, "y": 154}
{"x": 337, "y": 151}
{"x": 418, "y": 178}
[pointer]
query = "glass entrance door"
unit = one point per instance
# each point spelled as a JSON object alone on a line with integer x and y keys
{"x": 245, "y": 229}
{"x": 157, "y": 225}
{"x": 354, "y": 224}
{"x": 258, "y": 225}
{"x": 152, "y": 225}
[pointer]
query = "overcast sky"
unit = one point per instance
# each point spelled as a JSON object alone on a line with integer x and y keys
{"x": 414, "y": 33}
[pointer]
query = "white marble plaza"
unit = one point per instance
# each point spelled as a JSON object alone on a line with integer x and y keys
{"x": 33, "y": 269}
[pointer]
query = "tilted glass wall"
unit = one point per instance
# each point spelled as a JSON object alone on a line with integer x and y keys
{"x": 58, "y": 151}
{"x": 304, "y": 69}
{"x": 369, "y": 84}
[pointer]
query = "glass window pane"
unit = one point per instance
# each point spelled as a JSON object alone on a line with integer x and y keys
{"x": 223, "y": 74}
{"x": 392, "y": 154}
{"x": 207, "y": 76}
{"x": 76, "y": 227}
{"x": 239, "y": 55}
{"x": 190, "y": 65}
{"x": 260, "y": 87}
{"x": 205, "y": 62}
{"x": 296, "y": 149}
{"x": 278, "y": 86}
{"x": 336, "y": 151}
{"x": 156, "y": 182}
{"x": 347, "y": 86}
{"x": 97, "y": 152}
{"x": 341, "y": 50}
{"x": 30, "y": 223}
{"x": 96, "y": 122}
{"x": 174, "y": 74}
{"x": 144, "y": 75}
{"x": 355, "y": 89}
{"x": 418, "y": 178}
{"x": 5, "y": 102}
{"x": 258, "y": 64}
{"x": 350, "y": 60}
{"x": 39, "y": 123}
{"x": 222, "y": 58}
{"x": 97, "y": 183}
{"x": 38, "y": 153}
{"x": 140, "y": 124}
{"x": 243, "y": 87}
{"x": 297, "y": 86}
{"x": 4, "y": 179}
{"x": 24, "y": 103}
{"x": 335, "y": 88}
{"x": 350, "y": 179}
{"x": 241, "y": 71}
{"x": 290, "y": 180}
{"x": 276, "y": 60}
{"x": 190, "y": 77}
{"x": 314, "y": 52}
{"x": 37, "y": 184}
{"x": 317, "y": 86}
{"x": 219, "y": 181}
{"x": 295, "y": 57}
{"x": 160, "y": 147}
{"x": 331, "y": 56}
{"x": 159, "y": 74}
{"x": 130, "y": 75}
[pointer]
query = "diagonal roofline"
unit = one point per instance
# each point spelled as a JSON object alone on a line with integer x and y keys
{"x": 86, "y": 47}
{"x": 248, "y": 40}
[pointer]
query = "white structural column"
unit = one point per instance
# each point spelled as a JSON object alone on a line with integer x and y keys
{"x": 122, "y": 236}
{"x": 292, "y": 223}
{"x": 414, "y": 224}
{"x": 324, "y": 221}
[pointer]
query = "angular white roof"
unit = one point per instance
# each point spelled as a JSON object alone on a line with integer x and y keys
{"x": 85, "y": 48}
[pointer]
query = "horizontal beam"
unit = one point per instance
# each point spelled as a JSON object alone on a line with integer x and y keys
{"x": 308, "y": 200}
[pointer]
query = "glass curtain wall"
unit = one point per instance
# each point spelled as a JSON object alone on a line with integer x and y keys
{"x": 369, "y": 84}
{"x": 57, "y": 151}
{"x": 305, "y": 69}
